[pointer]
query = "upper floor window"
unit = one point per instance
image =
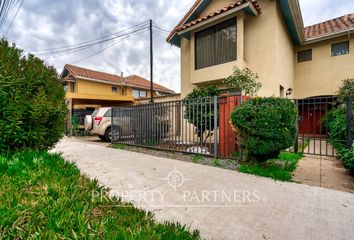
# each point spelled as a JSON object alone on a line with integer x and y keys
{"x": 339, "y": 49}
{"x": 66, "y": 87}
{"x": 139, "y": 93}
{"x": 114, "y": 89}
{"x": 72, "y": 87}
{"x": 304, "y": 56}
{"x": 216, "y": 45}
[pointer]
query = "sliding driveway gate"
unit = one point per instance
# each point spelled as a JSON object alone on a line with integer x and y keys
{"x": 202, "y": 126}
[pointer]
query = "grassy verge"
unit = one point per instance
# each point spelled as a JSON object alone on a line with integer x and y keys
{"x": 278, "y": 169}
{"x": 44, "y": 197}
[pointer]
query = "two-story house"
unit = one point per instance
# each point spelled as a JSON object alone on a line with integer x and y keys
{"x": 87, "y": 89}
{"x": 269, "y": 38}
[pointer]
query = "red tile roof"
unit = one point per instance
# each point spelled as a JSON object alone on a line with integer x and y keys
{"x": 138, "y": 81}
{"x": 134, "y": 80}
{"x": 218, "y": 12}
{"x": 330, "y": 27}
{"x": 83, "y": 72}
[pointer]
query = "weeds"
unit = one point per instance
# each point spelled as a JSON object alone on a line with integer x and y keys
{"x": 278, "y": 169}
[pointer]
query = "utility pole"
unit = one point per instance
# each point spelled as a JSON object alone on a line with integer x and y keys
{"x": 151, "y": 65}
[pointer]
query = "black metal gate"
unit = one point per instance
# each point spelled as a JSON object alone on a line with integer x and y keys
{"x": 313, "y": 125}
{"x": 199, "y": 126}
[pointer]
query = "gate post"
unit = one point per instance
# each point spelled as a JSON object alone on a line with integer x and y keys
{"x": 296, "y": 144}
{"x": 216, "y": 116}
{"x": 349, "y": 121}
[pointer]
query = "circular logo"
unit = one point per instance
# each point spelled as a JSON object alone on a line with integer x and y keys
{"x": 175, "y": 179}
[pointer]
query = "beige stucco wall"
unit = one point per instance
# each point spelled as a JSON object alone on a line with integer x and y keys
{"x": 264, "y": 45}
{"x": 258, "y": 42}
{"x": 323, "y": 75}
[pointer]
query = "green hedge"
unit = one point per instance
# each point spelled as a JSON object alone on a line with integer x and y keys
{"x": 32, "y": 110}
{"x": 265, "y": 126}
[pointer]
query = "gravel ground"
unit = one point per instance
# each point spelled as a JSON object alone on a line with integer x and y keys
{"x": 200, "y": 159}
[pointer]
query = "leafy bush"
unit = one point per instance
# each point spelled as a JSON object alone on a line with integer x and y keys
{"x": 199, "y": 114}
{"x": 243, "y": 80}
{"x": 336, "y": 122}
{"x": 346, "y": 155}
{"x": 347, "y": 88}
{"x": 32, "y": 110}
{"x": 265, "y": 126}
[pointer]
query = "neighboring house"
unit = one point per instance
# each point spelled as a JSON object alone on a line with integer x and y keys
{"x": 88, "y": 89}
{"x": 269, "y": 38}
{"x": 160, "y": 99}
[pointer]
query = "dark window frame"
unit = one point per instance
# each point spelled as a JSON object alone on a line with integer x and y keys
{"x": 72, "y": 87}
{"x": 213, "y": 30}
{"x": 304, "y": 58}
{"x": 139, "y": 93}
{"x": 339, "y": 43}
{"x": 114, "y": 89}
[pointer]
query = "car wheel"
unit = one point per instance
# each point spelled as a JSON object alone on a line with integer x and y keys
{"x": 103, "y": 138}
{"x": 108, "y": 135}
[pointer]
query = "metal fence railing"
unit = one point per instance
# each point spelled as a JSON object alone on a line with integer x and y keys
{"x": 199, "y": 126}
{"x": 202, "y": 126}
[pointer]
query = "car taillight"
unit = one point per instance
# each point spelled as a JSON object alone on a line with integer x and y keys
{"x": 98, "y": 120}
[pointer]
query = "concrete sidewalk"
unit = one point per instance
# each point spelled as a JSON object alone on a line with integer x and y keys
{"x": 222, "y": 204}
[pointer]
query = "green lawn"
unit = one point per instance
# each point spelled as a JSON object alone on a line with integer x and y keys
{"x": 278, "y": 169}
{"x": 44, "y": 197}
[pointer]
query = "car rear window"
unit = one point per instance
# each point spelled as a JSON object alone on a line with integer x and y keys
{"x": 108, "y": 113}
{"x": 94, "y": 114}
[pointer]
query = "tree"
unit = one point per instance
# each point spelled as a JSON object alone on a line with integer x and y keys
{"x": 347, "y": 88}
{"x": 243, "y": 80}
{"x": 32, "y": 110}
{"x": 200, "y": 110}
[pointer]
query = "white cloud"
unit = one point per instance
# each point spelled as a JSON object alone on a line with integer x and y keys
{"x": 48, "y": 24}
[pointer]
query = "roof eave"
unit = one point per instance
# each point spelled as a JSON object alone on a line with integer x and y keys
{"x": 247, "y": 7}
{"x": 293, "y": 18}
{"x": 328, "y": 36}
{"x": 175, "y": 37}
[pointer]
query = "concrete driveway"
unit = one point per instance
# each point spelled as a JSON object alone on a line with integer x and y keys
{"x": 222, "y": 204}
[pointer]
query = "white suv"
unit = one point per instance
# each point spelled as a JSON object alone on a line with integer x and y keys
{"x": 99, "y": 123}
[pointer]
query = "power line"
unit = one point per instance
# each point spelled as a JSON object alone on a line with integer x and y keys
{"x": 93, "y": 40}
{"x": 98, "y": 52}
{"x": 164, "y": 30}
{"x": 3, "y": 12}
{"x": 13, "y": 19}
{"x": 170, "y": 47}
{"x": 6, "y": 9}
{"x": 102, "y": 50}
{"x": 91, "y": 44}
{"x": 82, "y": 48}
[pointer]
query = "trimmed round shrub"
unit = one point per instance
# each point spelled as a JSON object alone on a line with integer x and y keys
{"x": 32, "y": 109}
{"x": 265, "y": 126}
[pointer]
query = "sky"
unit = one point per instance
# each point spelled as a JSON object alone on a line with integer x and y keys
{"x": 48, "y": 24}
